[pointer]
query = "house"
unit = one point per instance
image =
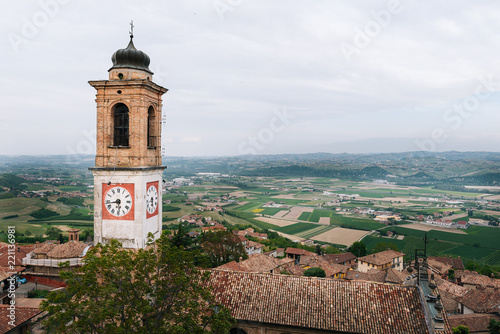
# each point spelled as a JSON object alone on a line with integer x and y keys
{"x": 476, "y": 322}
{"x": 463, "y": 224}
{"x": 381, "y": 261}
{"x": 346, "y": 259}
{"x": 278, "y": 252}
{"x": 480, "y": 300}
{"x": 20, "y": 323}
{"x": 215, "y": 228}
{"x": 258, "y": 263}
{"x": 44, "y": 261}
{"x": 252, "y": 247}
{"x": 331, "y": 270}
{"x": 264, "y": 303}
{"x": 296, "y": 253}
{"x": 456, "y": 264}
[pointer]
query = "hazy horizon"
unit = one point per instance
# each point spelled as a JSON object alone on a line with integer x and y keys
{"x": 260, "y": 77}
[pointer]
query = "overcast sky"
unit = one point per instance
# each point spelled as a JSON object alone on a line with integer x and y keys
{"x": 259, "y": 76}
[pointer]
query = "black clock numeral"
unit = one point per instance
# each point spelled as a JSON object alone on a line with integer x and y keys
{"x": 109, "y": 206}
{"x": 108, "y": 195}
{"x": 127, "y": 196}
{"x": 128, "y": 202}
{"x": 113, "y": 191}
{"x": 118, "y": 190}
{"x": 127, "y": 207}
{"x": 113, "y": 211}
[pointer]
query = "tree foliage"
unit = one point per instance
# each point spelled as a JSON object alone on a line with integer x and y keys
{"x": 460, "y": 329}
{"x": 152, "y": 290}
{"x": 358, "y": 248}
{"x": 222, "y": 247}
{"x": 315, "y": 271}
{"x": 494, "y": 326}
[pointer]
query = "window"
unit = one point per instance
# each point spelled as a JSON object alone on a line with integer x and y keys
{"x": 237, "y": 331}
{"x": 121, "y": 131}
{"x": 151, "y": 128}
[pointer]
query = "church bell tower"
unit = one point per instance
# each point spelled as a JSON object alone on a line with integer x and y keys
{"x": 128, "y": 163}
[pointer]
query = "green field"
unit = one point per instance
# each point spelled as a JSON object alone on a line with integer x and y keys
{"x": 296, "y": 228}
{"x": 318, "y": 213}
{"x": 271, "y": 211}
{"x": 304, "y": 215}
{"x": 315, "y": 231}
{"x": 357, "y": 223}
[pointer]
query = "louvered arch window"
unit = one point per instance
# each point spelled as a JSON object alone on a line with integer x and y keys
{"x": 121, "y": 125}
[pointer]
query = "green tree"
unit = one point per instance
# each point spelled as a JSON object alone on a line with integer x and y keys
{"x": 152, "y": 290}
{"x": 494, "y": 326}
{"x": 315, "y": 271}
{"x": 222, "y": 247}
{"x": 460, "y": 329}
{"x": 358, "y": 248}
{"x": 332, "y": 250}
{"x": 382, "y": 246}
{"x": 53, "y": 233}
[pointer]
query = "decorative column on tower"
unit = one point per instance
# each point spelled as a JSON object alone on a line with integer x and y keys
{"x": 128, "y": 164}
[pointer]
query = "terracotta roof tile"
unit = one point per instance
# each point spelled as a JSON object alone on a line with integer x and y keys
{"x": 454, "y": 263}
{"x": 475, "y": 322}
{"x": 381, "y": 258}
{"x": 257, "y": 263}
{"x": 339, "y": 258}
{"x": 372, "y": 275}
{"x": 298, "y": 251}
{"x": 23, "y": 314}
{"x": 318, "y": 303}
{"x": 481, "y": 300}
{"x": 71, "y": 249}
{"x": 395, "y": 276}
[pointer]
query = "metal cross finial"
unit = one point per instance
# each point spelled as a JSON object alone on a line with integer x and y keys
{"x": 131, "y": 29}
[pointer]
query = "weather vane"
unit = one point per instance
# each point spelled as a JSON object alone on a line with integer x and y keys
{"x": 131, "y": 29}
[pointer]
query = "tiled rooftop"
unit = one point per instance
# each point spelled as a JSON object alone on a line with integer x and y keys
{"x": 482, "y": 300}
{"x": 257, "y": 263}
{"x": 71, "y": 249}
{"x": 475, "y": 322}
{"x": 23, "y": 314}
{"x": 381, "y": 258}
{"x": 339, "y": 258}
{"x": 323, "y": 304}
{"x": 298, "y": 251}
{"x": 372, "y": 275}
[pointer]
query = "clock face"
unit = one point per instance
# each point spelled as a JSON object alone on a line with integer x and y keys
{"x": 118, "y": 201}
{"x": 151, "y": 199}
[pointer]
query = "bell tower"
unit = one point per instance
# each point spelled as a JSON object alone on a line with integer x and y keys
{"x": 128, "y": 163}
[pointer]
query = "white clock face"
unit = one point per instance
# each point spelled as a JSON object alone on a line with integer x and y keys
{"x": 151, "y": 199}
{"x": 118, "y": 201}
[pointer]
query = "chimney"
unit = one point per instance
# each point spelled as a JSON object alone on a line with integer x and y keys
{"x": 241, "y": 259}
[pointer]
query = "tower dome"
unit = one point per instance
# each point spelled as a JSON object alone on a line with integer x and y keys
{"x": 130, "y": 57}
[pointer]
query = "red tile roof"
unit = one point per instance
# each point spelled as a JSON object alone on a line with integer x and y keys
{"x": 454, "y": 263}
{"x": 481, "y": 300}
{"x": 381, "y": 258}
{"x": 340, "y": 258}
{"x": 372, "y": 275}
{"x": 23, "y": 314}
{"x": 475, "y": 322}
{"x": 257, "y": 263}
{"x": 298, "y": 251}
{"x": 318, "y": 303}
{"x": 71, "y": 249}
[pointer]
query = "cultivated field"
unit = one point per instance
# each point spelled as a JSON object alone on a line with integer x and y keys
{"x": 296, "y": 211}
{"x": 422, "y": 227}
{"x": 324, "y": 220}
{"x": 341, "y": 236}
{"x": 277, "y": 222}
{"x": 458, "y": 216}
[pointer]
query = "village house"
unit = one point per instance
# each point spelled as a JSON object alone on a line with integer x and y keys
{"x": 296, "y": 253}
{"x": 346, "y": 259}
{"x": 258, "y": 263}
{"x": 24, "y": 316}
{"x": 44, "y": 261}
{"x": 264, "y": 303}
{"x": 381, "y": 261}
